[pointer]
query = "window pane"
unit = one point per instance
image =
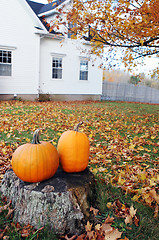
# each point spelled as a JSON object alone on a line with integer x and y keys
{"x": 56, "y": 63}
{"x": 4, "y": 59}
{"x": 86, "y": 75}
{"x": 4, "y": 53}
{"x": 5, "y": 70}
{"x": 60, "y": 63}
{"x": 9, "y": 60}
{"x": 81, "y": 75}
{"x": 59, "y": 73}
{"x": 9, "y": 54}
{"x": 54, "y": 73}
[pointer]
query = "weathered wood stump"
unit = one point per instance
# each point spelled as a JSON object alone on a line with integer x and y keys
{"x": 60, "y": 202}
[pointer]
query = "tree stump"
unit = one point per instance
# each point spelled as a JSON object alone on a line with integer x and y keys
{"x": 61, "y": 202}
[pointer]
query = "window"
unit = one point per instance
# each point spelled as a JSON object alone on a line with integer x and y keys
{"x": 5, "y": 63}
{"x": 57, "y": 68}
{"x": 83, "y": 70}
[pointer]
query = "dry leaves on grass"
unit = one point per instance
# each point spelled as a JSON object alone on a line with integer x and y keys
{"x": 105, "y": 230}
{"x": 124, "y": 139}
{"x": 101, "y": 232}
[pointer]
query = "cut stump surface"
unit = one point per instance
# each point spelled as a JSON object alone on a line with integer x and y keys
{"x": 60, "y": 202}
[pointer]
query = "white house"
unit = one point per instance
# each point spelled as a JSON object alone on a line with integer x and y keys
{"x": 34, "y": 61}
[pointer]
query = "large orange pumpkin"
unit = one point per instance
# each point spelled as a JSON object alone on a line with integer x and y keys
{"x": 73, "y": 149}
{"x": 36, "y": 161}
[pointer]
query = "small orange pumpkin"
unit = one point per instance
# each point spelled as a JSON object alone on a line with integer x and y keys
{"x": 36, "y": 161}
{"x": 73, "y": 149}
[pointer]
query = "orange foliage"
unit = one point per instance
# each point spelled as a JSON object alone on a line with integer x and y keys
{"x": 129, "y": 24}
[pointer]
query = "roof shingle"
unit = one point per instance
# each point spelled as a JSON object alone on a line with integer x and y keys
{"x": 39, "y": 8}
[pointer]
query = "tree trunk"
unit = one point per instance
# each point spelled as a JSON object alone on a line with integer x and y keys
{"x": 61, "y": 202}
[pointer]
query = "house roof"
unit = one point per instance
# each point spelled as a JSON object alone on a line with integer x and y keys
{"x": 40, "y": 8}
{"x": 35, "y": 6}
{"x": 51, "y": 6}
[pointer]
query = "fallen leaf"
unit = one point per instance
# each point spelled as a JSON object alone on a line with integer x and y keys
{"x": 10, "y": 211}
{"x": 128, "y": 219}
{"x": 95, "y": 211}
{"x": 71, "y": 238}
{"x": 25, "y": 232}
{"x": 88, "y": 227}
{"x": 109, "y": 205}
{"x": 155, "y": 195}
{"x": 113, "y": 235}
{"x": 106, "y": 228}
{"x": 97, "y": 227}
{"x": 132, "y": 211}
{"x": 91, "y": 235}
{"x": 109, "y": 219}
{"x": 136, "y": 221}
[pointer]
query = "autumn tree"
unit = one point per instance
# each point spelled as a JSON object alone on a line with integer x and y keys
{"x": 134, "y": 80}
{"x": 131, "y": 25}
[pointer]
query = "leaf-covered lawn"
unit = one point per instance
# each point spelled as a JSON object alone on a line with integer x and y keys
{"x": 124, "y": 139}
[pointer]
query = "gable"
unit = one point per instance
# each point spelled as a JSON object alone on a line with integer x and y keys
{"x": 40, "y": 8}
{"x": 32, "y": 14}
{"x": 19, "y": 18}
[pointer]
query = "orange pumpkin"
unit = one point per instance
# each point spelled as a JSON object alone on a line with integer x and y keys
{"x": 36, "y": 161}
{"x": 73, "y": 149}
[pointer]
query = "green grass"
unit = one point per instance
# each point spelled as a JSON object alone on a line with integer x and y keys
{"x": 148, "y": 226}
{"x": 111, "y": 128}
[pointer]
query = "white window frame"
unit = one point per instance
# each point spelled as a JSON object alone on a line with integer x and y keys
{"x": 57, "y": 68}
{"x": 57, "y": 57}
{"x": 6, "y": 62}
{"x": 83, "y": 74}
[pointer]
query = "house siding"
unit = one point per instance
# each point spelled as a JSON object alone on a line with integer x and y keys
{"x": 70, "y": 83}
{"x": 32, "y": 59}
{"x": 17, "y": 31}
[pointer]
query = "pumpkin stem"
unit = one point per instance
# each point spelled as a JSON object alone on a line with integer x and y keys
{"x": 76, "y": 127}
{"x": 36, "y": 137}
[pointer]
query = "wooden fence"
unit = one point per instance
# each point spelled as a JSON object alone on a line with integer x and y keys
{"x": 129, "y": 92}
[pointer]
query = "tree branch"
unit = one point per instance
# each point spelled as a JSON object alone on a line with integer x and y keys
{"x": 146, "y": 54}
